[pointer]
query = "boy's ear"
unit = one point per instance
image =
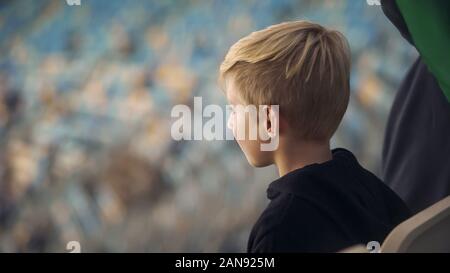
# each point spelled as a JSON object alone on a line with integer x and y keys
{"x": 272, "y": 120}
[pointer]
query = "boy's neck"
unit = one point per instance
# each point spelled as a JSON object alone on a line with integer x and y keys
{"x": 292, "y": 156}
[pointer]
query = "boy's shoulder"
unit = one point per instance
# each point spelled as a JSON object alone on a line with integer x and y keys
{"x": 323, "y": 203}
{"x": 282, "y": 226}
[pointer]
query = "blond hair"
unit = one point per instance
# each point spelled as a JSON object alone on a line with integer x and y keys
{"x": 300, "y": 66}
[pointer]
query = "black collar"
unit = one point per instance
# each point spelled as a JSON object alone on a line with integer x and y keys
{"x": 291, "y": 182}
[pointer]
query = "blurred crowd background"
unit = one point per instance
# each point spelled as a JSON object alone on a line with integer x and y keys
{"x": 85, "y": 98}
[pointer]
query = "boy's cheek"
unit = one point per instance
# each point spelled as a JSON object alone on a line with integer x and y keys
{"x": 237, "y": 125}
{"x": 231, "y": 124}
{"x": 241, "y": 125}
{"x": 240, "y": 128}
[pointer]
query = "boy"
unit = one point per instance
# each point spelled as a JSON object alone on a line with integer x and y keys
{"x": 324, "y": 201}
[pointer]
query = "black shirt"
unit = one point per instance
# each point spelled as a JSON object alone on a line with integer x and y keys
{"x": 325, "y": 208}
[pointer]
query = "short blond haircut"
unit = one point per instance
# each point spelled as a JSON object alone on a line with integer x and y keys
{"x": 300, "y": 66}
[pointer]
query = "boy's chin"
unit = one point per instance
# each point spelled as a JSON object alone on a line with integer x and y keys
{"x": 258, "y": 163}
